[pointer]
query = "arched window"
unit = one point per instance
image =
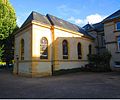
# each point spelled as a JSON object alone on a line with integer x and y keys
{"x": 44, "y": 48}
{"x": 90, "y": 49}
{"x": 22, "y": 49}
{"x": 79, "y": 49}
{"x": 65, "y": 49}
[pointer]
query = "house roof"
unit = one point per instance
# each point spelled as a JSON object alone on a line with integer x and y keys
{"x": 66, "y": 25}
{"x": 94, "y": 27}
{"x": 37, "y": 17}
{"x": 112, "y": 16}
{"x": 88, "y": 27}
{"x": 99, "y": 26}
{"x": 52, "y": 20}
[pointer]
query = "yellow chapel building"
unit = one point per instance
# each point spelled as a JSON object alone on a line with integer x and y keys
{"x": 45, "y": 44}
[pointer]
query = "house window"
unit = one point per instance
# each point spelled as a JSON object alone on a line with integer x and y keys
{"x": 22, "y": 49}
{"x": 79, "y": 49}
{"x": 44, "y": 48}
{"x": 118, "y": 42}
{"x": 65, "y": 49}
{"x": 118, "y": 26}
{"x": 90, "y": 49}
{"x": 117, "y": 63}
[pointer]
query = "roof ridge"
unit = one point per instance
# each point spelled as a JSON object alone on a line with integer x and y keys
{"x": 38, "y": 17}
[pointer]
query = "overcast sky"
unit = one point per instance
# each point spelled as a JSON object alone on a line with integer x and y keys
{"x": 79, "y": 12}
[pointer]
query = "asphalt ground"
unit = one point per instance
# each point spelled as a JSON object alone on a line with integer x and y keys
{"x": 74, "y": 85}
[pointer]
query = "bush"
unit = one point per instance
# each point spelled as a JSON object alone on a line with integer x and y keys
{"x": 2, "y": 66}
{"x": 100, "y": 61}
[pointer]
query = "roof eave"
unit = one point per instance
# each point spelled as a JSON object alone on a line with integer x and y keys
{"x": 109, "y": 20}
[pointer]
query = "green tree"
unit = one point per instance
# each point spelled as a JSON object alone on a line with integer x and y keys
{"x": 8, "y": 48}
{"x": 1, "y": 52}
{"x": 7, "y": 19}
{"x": 7, "y": 26}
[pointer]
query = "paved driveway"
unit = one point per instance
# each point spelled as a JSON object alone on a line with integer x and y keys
{"x": 77, "y": 85}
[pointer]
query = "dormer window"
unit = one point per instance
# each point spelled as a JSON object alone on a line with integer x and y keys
{"x": 118, "y": 26}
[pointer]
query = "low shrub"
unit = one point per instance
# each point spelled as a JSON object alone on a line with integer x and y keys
{"x": 99, "y": 62}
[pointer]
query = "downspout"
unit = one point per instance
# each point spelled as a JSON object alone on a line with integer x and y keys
{"x": 52, "y": 50}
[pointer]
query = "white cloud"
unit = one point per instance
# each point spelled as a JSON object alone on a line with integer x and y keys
{"x": 66, "y": 10}
{"x": 75, "y": 20}
{"x": 94, "y": 18}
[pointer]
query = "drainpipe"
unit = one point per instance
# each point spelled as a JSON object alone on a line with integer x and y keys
{"x": 52, "y": 51}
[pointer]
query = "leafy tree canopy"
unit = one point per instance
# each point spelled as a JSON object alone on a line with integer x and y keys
{"x": 7, "y": 19}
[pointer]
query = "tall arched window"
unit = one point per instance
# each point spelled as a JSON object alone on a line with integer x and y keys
{"x": 44, "y": 48}
{"x": 22, "y": 49}
{"x": 65, "y": 49}
{"x": 79, "y": 49}
{"x": 90, "y": 49}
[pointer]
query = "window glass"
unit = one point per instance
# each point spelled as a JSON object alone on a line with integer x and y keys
{"x": 118, "y": 26}
{"x": 65, "y": 49}
{"x": 22, "y": 49}
{"x": 79, "y": 51}
{"x": 118, "y": 41}
{"x": 44, "y": 48}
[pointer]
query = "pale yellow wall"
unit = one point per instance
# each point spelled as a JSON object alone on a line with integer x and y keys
{"x": 25, "y": 67}
{"x": 71, "y": 64}
{"x": 34, "y": 66}
{"x": 109, "y": 32}
{"x": 26, "y": 35}
{"x": 40, "y": 66}
{"x": 111, "y": 36}
{"x": 98, "y": 40}
{"x": 73, "y": 40}
{"x": 95, "y": 34}
{"x": 37, "y": 33}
